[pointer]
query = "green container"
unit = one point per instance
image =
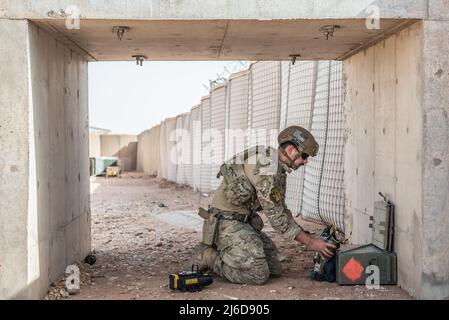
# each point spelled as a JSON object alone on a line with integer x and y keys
{"x": 352, "y": 263}
{"x": 99, "y": 165}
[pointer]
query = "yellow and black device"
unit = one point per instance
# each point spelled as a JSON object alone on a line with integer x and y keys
{"x": 190, "y": 281}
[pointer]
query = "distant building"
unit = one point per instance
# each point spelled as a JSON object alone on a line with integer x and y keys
{"x": 102, "y": 143}
{"x": 95, "y": 141}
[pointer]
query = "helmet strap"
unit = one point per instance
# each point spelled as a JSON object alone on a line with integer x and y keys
{"x": 289, "y": 159}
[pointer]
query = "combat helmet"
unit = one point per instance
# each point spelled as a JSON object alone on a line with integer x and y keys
{"x": 301, "y": 138}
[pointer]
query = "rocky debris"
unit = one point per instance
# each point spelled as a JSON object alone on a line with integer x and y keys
{"x": 164, "y": 184}
{"x": 71, "y": 291}
{"x": 59, "y": 290}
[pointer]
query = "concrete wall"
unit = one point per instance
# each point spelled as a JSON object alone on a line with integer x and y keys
{"x": 94, "y": 144}
{"x": 44, "y": 178}
{"x": 122, "y": 146}
{"x": 397, "y": 144}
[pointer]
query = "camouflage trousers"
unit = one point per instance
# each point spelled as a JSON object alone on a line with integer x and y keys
{"x": 246, "y": 255}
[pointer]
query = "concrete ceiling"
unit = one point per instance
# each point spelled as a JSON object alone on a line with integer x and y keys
{"x": 219, "y": 39}
{"x": 224, "y": 9}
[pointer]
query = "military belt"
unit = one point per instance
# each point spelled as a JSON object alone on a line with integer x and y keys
{"x": 229, "y": 215}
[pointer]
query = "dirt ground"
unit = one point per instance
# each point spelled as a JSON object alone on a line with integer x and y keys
{"x": 138, "y": 244}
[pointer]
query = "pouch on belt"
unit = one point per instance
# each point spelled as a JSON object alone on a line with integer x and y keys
{"x": 256, "y": 222}
{"x": 210, "y": 225}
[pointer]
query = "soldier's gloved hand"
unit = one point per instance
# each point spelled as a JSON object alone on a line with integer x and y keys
{"x": 322, "y": 247}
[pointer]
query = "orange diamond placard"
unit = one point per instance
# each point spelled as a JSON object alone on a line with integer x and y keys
{"x": 353, "y": 269}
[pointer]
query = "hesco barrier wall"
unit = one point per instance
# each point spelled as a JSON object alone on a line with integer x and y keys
{"x": 163, "y": 151}
{"x": 148, "y": 142}
{"x": 186, "y": 151}
{"x": 195, "y": 146}
{"x": 154, "y": 143}
{"x": 264, "y": 102}
{"x": 205, "y": 170}
{"x": 298, "y": 96}
{"x": 323, "y": 194}
{"x": 217, "y": 124}
{"x": 170, "y": 142}
{"x": 180, "y": 151}
{"x": 236, "y": 114}
{"x": 269, "y": 95}
{"x": 140, "y": 149}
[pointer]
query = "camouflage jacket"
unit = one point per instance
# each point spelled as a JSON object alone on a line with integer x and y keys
{"x": 254, "y": 180}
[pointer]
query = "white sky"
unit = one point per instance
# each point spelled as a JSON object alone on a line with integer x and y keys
{"x": 129, "y": 99}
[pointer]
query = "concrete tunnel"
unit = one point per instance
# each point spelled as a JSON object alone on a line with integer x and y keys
{"x": 396, "y": 110}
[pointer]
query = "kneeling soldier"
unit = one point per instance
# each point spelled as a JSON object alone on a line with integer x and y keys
{"x": 233, "y": 244}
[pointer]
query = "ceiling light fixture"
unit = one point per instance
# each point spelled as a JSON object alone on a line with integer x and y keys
{"x": 120, "y": 31}
{"x": 293, "y": 58}
{"x": 139, "y": 59}
{"x": 329, "y": 30}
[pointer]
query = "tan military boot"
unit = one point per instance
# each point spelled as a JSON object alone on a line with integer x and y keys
{"x": 204, "y": 257}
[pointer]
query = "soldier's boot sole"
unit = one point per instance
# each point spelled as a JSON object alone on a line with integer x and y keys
{"x": 203, "y": 257}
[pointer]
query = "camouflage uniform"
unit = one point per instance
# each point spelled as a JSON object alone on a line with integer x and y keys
{"x": 253, "y": 181}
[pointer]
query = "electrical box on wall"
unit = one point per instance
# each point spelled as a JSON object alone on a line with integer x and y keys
{"x": 383, "y": 224}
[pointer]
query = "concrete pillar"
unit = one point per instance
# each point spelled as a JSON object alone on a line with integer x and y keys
{"x": 398, "y": 143}
{"x": 14, "y": 159}
{"x": 435, "y": 154}
{"x": 44, "y": 174}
